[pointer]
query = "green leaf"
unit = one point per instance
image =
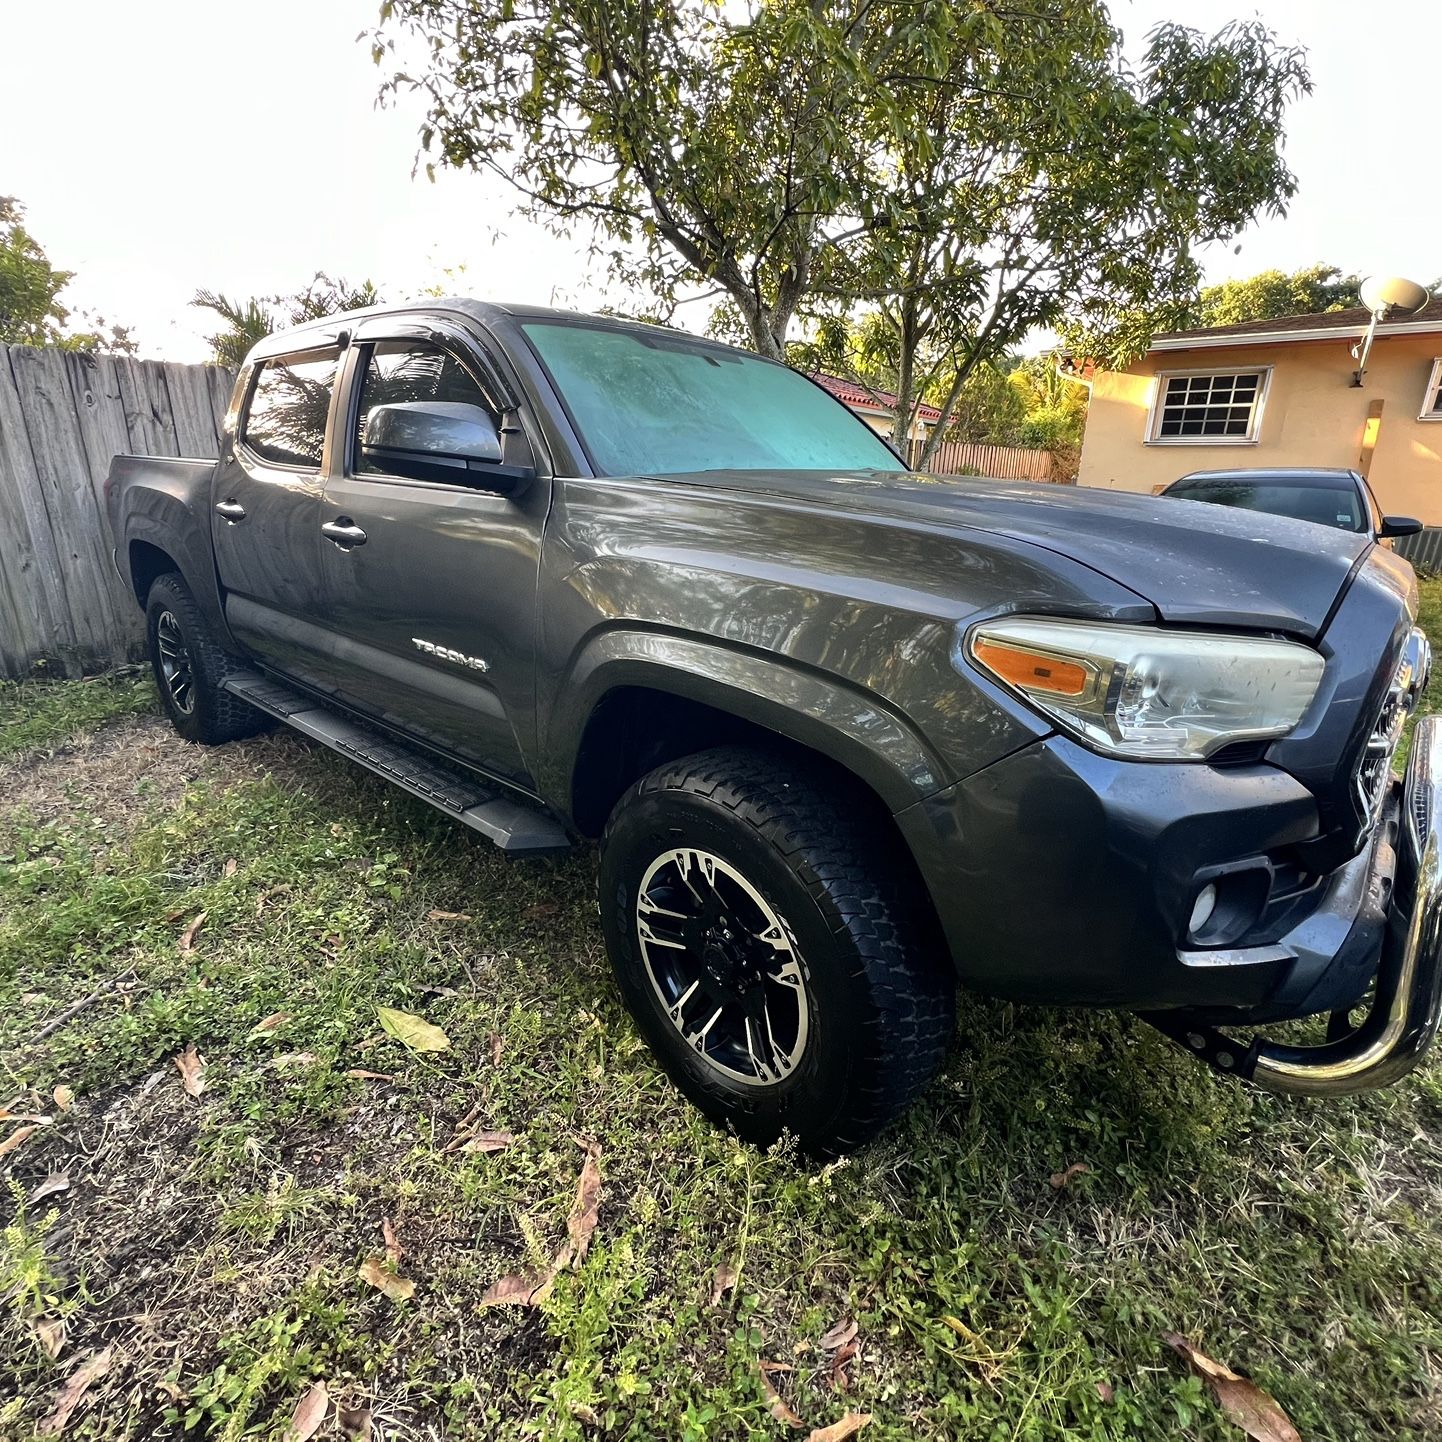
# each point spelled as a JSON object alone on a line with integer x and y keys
{"x": 412, "y": 1031}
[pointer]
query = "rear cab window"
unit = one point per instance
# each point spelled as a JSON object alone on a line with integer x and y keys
{"x": 285, "y": 418}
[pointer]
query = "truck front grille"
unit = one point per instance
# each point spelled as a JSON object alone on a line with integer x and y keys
{"x": 1374, "y": 770}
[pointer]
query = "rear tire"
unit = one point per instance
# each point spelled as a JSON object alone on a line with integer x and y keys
{"x": 784, "y": 969}
{"x": 189, "y": 663}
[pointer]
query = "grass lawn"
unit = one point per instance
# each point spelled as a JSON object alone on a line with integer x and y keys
{"x": 208, "y": 1250}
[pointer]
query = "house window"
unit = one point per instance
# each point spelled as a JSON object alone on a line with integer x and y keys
{"x": 1208, "y": 407}
{"x": 1432, "y": 396}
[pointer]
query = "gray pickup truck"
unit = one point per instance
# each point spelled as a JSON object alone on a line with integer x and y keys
{"x": 847, "y": 734}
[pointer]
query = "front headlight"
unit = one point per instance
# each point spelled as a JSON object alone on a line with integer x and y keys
{"x": 1144, "y": 692}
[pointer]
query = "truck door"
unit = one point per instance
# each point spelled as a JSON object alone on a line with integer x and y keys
{"x": 430, "y": 586}
{"x": 265, "y": 508}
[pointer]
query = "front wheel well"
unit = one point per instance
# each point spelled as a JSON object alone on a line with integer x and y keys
{"x": 635, "y": 729}
{"x": 147, "y": 564}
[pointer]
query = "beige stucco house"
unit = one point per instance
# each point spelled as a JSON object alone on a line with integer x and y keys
{"x": 1278, "y": 393}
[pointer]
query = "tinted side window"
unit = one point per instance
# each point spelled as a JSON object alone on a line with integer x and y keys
{"x": 400, "y": 371}
{"x": 285, "y": 421}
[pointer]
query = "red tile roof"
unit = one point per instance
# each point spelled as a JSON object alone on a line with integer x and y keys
{"x": 855, "y": 395}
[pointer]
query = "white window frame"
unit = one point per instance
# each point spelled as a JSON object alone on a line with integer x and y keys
{"x": 1432, "y": 396}
{"x": 1254, "y": 431}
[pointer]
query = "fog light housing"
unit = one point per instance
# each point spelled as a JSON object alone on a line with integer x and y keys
{"x": 1228, "y": 902}
{"x": 1202, "y": 908}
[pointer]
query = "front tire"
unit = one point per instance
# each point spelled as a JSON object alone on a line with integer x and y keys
{"x": 189, "y": 663}
{"x": 782, "y": 966}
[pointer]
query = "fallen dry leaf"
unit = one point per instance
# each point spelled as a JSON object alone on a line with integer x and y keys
{"x": 64, "y": 1098}
{"x": 269, "y": 1023}
{"x": 774, "y": 1400}
{"x": 498, "y": 1045}
{"x": 1060, "y": 1180}
{"x": 448, "y": 916}
{"x": 354, "y": 1423}
{"x": 263, "y": 899}
{"x": 412, "y": 1031}
{"x": 722, "y": 1282}
{"x": 840, "y": 1377}
{"x": 839, "y": 1335}
{"x": 848, "y": 1426}
{"x": 18, "y": 1138}
{"x": 585, "y": 1209}
{"x": 293, "y": 1058}
{"x": 488, "y": 1142}
{"x": 519, "y": 1289}
{"x": 1258, "y": 1415}
{"x": 398, "y": 1289}
{"x": 394, "y": 1250}
{"x": 309, "y": 1414}
{"x": 187, "y": 937}
{"x": 191, "y": 1066}
{"x": 530, "y": 1289}
{"x": 67, "y": 1399}
{"x": 230, "y": 868}
{"x": 361, "y": 1074}
{"x": 55, "y": 1182}
{"x": 50, "y": 1332}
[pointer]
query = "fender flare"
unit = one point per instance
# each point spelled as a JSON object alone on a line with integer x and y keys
{"x": 852, "y": 727}
{"x": 169, "y": 522}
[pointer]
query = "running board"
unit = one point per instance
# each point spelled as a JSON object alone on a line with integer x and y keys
{"x": 518, "y": 829}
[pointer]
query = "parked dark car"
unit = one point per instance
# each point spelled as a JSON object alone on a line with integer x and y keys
{"x": 1326, "y": 497}
{"x": 846, "y": 734}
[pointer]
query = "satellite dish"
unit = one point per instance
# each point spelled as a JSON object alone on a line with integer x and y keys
{"x": 1385, "y": 293}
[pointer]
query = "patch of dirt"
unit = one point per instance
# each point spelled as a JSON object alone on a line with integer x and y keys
{"x": 146, "y": 1238}
{"x": 112, "y": 776}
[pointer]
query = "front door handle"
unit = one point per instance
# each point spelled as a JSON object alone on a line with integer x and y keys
{"x": 233, "y": 511}
{"x": 344, "y": 532}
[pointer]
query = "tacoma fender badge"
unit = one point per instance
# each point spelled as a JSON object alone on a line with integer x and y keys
{"x": 444, "y": 653}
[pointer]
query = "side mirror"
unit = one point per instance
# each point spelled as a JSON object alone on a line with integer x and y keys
{"x": 1393, "y": 526}
{"x": 440, "y": 441}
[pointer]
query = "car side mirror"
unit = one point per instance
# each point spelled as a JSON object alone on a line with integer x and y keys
{"x": 440, "y": 441}
{"x": 1393, "y": 526}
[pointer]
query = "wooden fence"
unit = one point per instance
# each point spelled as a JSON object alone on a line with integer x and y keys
{"x": 1005, "y": 463}
{"x": 63, "y": 415}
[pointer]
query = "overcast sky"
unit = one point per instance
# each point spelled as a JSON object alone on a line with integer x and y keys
{"x": 165, "y": 145}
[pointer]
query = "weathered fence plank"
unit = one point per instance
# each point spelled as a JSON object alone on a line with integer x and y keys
{"x": 63, "y": 416}
{"x": 1007, "y": 463}
{"x": 27, "y": 549}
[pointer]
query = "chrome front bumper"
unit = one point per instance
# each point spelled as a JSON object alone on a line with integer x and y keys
{"x": 1406, "y": 1003}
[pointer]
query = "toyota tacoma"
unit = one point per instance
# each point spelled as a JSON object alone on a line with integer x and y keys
{"x": 848, "y": 735}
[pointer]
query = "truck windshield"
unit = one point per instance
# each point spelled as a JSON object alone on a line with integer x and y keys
{"x": 649, "y": 404}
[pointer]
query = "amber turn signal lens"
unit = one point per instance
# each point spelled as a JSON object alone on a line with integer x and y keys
{"x": 1032, "y": 670}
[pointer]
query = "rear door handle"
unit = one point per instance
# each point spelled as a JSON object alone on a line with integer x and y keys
{"x": 233, "y": 511}
{"x": 344, "y": 532}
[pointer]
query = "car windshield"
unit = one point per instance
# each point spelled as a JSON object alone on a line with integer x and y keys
{"x": 648, "y": 404}
{"x": 1325, "y": 500}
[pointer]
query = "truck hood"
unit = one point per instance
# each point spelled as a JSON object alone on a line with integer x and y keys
{"x": 1196, "y": 563}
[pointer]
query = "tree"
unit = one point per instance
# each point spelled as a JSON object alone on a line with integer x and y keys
{"x": 1076, "y": 185}
{"x": 249, "y": 321}
{"x": 1273, "y": 293}
{"x": 30, "y": 309}
{"x": 972, "y": 169}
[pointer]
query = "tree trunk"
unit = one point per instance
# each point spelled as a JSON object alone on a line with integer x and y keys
{"x": 766, "y": 324}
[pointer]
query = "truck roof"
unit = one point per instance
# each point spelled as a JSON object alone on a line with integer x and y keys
{"x": 328, "y": 327}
